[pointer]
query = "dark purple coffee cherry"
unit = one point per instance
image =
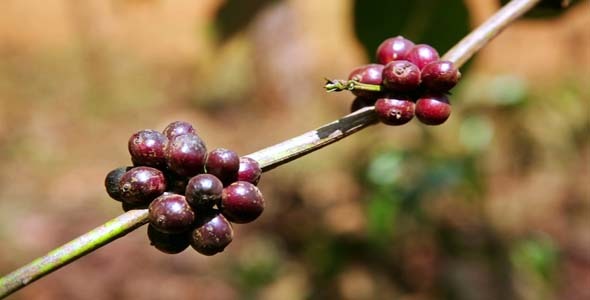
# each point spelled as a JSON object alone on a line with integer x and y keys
{"x": 396, "y": 48}
{"x": 249, "y": 170}
{"x": 401, "y": 76}
{"x": 223, "y": 163}
{"x": 112, "y": 180}
{"x": 128, "y": 206}
{"x": 241, "y": 202}
{"x": 141, "y": 185}
{"x": 204, "y": 190}
{"x": 147, "y": 148}
{"x": 186, "y": 155}
{"x": 361, "y": 102}
{"x": 213, "y": 235}
{"x": 178, "y": 128}
{"x": 175, "y": 183}
{"x": 422, "y": 54}
{"x": 440, "y": 76}
{"x": 394, "y": 110}
{"x": 170, "y": 243}
{"x": 433, "y": 109}
{"x": 369, "y": 74}
{"x": 171, "y": 214}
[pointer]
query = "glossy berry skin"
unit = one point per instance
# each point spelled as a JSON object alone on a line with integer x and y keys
{"x": 141, "y": 185}
{"x": 249, "y": 170}
{"x": 396, "y": 48}
{"x": 112, "y": 180}
{"x": 241, "y": 202}
{"x": 401, "y": 76}
{"x": 433, "y": 109}
{"x": 171, "y": 214}
{"x": 204, "y": 190}
{"x": 178, "y": 128}
{"x": 212, "y": 236}
{"x": 223, "y": 163}
{"x": 170, "y": 243}
{"x": 186, "y": 155}
{"x": 369, "y": 74}
{"x": 440, "y": 76}
{"x": 147, "y": 148}
{"x": 422, "y": 54}
{"x": 394, "y": 111}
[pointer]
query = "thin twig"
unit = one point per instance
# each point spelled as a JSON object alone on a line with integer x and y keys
{"x": 268, "y": 158}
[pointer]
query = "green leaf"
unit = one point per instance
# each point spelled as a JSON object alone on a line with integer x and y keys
{"x": 438, "y": 23}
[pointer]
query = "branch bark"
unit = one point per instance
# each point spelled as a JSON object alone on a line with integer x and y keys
{"x": 268, "y": 158}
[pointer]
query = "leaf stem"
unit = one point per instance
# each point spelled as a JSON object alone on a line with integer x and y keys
{"x": 268, "y": 158}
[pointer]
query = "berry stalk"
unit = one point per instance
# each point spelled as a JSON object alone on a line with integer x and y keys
{"x": 268, "y": 158}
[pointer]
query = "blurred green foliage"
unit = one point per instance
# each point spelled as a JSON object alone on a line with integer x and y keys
{"x": 439, "y": 23}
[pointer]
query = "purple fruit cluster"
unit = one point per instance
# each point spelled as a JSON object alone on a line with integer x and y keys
{"x": 414, "y": 81}
{"x": 193, "y": 195}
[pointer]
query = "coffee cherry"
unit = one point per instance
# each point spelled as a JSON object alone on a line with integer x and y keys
{"x": 241, "y": 202}
{"x": 401, "y": 76}
{"x": 128, "y": 206}
{"x": 223, "y": 163}
{"x": 147, "y": 148}
{"x": 433, "y": 109}
{"x": 396, "y": 48}
{"x": 112, "y": 180}
{"x": 176, "y": 183}
{"x": 170, "y": 243}
{"x": 141, "y": 185}
{"x": 171, "y": 214}
{"x": 212, "y": 236}
{"x": 422, "y": 54}
{"x": 249, "y": 170}
{"x": 204, "y": 190}
{"x": 369, "y": 74}
{"x": 394, "y": 111}
{"x": 178, "y": 128}
{"x": 186, "y": 154}
{"x": 440, "y": 76}
{"x": 361, "y": 102}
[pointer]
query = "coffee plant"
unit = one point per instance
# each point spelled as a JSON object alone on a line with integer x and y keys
{"x": 193, "y": 197}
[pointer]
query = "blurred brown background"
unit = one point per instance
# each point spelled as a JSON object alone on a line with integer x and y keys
{"x": 494, "y": 204}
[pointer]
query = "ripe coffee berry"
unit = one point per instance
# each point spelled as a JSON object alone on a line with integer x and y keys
{"x": 112, "y": 180}
{"x": 440, "y": 76}
{"x": 171, "y": 214}
{"x": 241, "y": 202}
{"x": 422, "y": 54}
{"x": 223, "y": 163}
{"x": 433, "y": 109}
{"x": 147, "y": 148}
{"x": 249, "y": 170}
{"x": 361, "y": 102}
{"x": 401, "y": 76}
{"x": 369, "y": 74}
{"x": 178, "y": 128}
{"x": 175, "y": 183}
{"x": 141, "y": 185}
{"x": 212, "y": 236}
{"x": 204, "y": 190}
{"x": 394, "y": 111}
{"x": 171, "y": 243}
{"x": 396, "y": 48}
{"x": 186, "y": 154}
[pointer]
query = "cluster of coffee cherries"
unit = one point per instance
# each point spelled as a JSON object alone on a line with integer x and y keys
{"x": 412, "y": 79}
{"x": 192, "y": 195}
